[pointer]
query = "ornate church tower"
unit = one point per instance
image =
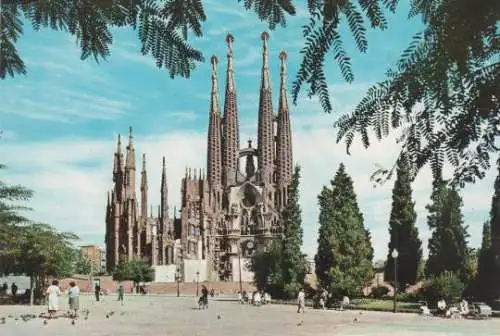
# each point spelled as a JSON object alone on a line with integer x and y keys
{"x": 284, "y": 160}
{"x": 214, "y": 143}
{"x": 231, "y": 133}
{"x": 265, "y": 130}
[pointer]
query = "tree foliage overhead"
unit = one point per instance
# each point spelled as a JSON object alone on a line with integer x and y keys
{"x": 403, "y": 231}
{"x": 448, "y": 249}
{"x": 443, "y": 94}
{"x": 344, "y": 258}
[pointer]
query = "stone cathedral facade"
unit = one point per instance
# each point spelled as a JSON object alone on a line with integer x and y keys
{"x": 229, "y": 212}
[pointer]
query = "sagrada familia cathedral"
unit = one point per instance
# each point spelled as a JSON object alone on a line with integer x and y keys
{"x": 229, "y": 213}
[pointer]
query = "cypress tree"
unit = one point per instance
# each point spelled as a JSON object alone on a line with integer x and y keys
{"x": 293, "y": 263}
{"x": 344, "y": 257}
{"x": 484, "y": 284}
{"x": 495, "y": 236}
{"x": 403, "y": 231}
{"x": 282, "y": 267}
{"x": 448, "y": 249}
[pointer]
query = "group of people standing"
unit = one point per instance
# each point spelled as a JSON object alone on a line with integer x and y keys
{"x": 54, "y": 292}
{"x": 5, "y": 287}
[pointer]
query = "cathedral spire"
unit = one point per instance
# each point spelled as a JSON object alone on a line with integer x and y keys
{"x": 265, "y": 137}
{"x": 230, "y": 71}
{"x": 214, "y": 155}
{"x": 265, "y": 80}
{"x": 117, "y": 165}
{"x": 284, "y": 138}
{"x": 144, "y": 188}
{"x": 230, "y": 136}
{"x": 164, "y": 199}
{"x": 130, "y": 167}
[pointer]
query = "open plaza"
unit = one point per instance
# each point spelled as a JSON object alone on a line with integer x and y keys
{"x": 171, "y": 315}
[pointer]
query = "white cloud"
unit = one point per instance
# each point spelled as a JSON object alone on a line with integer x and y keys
{"x": 71, "y": 176}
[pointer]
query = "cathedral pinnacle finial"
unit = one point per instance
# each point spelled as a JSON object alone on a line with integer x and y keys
{"x": 214, "y": 103}
{"x": 230, "y": 77}
{"x": 119, "y": 144}
{"x": 164, "y": 164}
{"x": 130, "y": 132}
{"x": 265, "y": 61}
{"x": 249, "y": 143}
{"x": 144, "y": 162}
{"x": 283, "y": 104}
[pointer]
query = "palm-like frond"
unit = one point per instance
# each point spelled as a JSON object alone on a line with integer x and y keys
{"x": 271, "y": 11}
{"x": 163, "y": 28}
{"x": 443, "y": 93}
{"x": 322, "y": 35}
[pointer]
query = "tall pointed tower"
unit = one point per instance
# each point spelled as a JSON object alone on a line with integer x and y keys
{"x": 231, "y": 134}
{"x": 144, "y": 188}
{"x": 214, "y": 144}
{"x": 284, "y": 158}
{"x": 265, "y": 130}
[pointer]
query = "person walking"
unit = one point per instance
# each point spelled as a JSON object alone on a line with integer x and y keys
{"x": 74, "y": 299}
{"x": 204, "y": 295}
{"x": 301, "y": 301}
{"x": 97, "y": 292}
{"x": 53, "y": 293}
{"x": 121, "y": 291}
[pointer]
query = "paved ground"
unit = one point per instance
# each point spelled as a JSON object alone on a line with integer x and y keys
{"x": 167, "y": 315}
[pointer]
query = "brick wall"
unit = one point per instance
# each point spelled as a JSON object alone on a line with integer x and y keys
{"x": 107, "y": 283}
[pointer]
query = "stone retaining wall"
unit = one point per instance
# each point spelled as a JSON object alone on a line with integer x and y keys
{"x": 107, "y": 283}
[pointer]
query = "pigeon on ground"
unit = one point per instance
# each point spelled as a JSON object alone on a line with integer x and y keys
{"x": 73, "y": 322}
{"x": 45, "y": 322}
{"x": 122, "y": 313}
{"x": 2, "y": 320}
{"x": 10, "y": 316}
{"x": 300, "y": 323}
{"x": 355, "y": 319}
{"x": 218, "y": 317}
{"x": 107, "y": 315}
{"x": 111, "y": 313}
{"x": 16, "y": 318}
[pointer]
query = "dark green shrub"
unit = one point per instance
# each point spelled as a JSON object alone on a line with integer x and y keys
{"x": 379, "y": 292}
{"x": 446, "y": 286}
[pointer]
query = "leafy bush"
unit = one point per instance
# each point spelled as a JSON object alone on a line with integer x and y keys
{"x": 408, "y": 297}
{"x": 446, "y": 286}
{"x": 379, "y": 292}
{"x": 134, "y": 270}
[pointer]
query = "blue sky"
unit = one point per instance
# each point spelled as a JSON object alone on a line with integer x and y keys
{"x": 61, "y": 120}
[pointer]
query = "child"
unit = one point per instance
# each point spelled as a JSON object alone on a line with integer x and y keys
{"x": 74, "y": 299}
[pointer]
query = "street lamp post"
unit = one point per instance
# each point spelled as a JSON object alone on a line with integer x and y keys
{"x": 239, "y": 266}
{"x": 178, "y": 279}
{"x": 197, "y": 281}
{"x": 395, "y": 255}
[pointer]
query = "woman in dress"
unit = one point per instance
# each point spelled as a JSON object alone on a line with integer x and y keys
{"x": 74, "y": 301}
{"x": 53, "y": 293}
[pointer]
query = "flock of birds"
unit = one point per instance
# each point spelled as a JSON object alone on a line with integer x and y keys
{"x": 46, "y": 318}
{"x": 86, "y": 313}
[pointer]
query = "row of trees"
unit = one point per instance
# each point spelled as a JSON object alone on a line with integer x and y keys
{"x": 344, "y": 257}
